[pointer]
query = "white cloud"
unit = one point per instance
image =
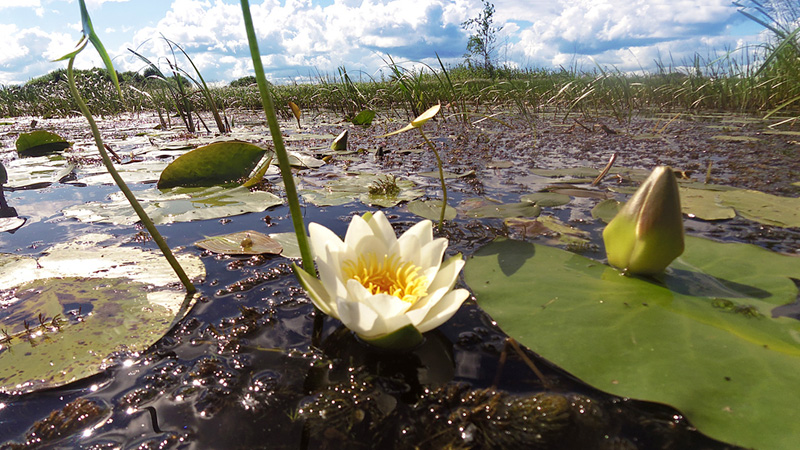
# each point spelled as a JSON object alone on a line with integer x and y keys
{"x": 300, "y": 37}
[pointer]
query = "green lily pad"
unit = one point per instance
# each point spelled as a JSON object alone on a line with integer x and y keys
{"x": 83, "y": 301}
{"x": 704, "y": 204}
{"x": 288, "y": 241}
{"x": 710, "y": 202}
{"x": 241, "y": 243}
{"x": 40, "y": 142}
{"x": 176, "y": 205}
{"x": 211, "y": 165}
{"x": 701, "y": 339}
{"x": 485, "y": 209}
{"x": 365, "y": 117}
{"x": 606, "y": 210}
{"x": 431, "y": 209}
{"x": 546, "y": 199}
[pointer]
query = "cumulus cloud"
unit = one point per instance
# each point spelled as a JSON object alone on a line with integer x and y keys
{"x": 302, "y": 37}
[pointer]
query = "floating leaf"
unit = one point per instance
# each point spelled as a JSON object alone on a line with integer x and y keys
{"x": 10, "y": 223}
{"x": 365, "y": 117}
{"x": 447, "y": 175}
{"x": 357, "y": 187}
{"x": 340, "y": 143}
{"x": 546, "y": 199}
{"x": 501, "y": 210}
{"x": 212, "y": 165}
{"x": 704, "y": 204}
{"x": 123, "y": 295}
{"x": 288, "y": 241}
{"x": 241, "y": 243}
{"x": 431, "y": 209}
{"x": 606, "y": 210}
{"x": 40, "y": 142}
{"x": 703, "y": 339}
{"x": 731, "y": 138}
{"x": 176, "y": 205}
{"x": 37, "y": 172}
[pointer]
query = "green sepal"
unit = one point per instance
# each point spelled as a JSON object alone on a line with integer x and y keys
{"x": 403, "y": 339}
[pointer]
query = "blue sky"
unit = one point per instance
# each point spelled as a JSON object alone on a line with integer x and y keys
{"x": 299, "y": 38}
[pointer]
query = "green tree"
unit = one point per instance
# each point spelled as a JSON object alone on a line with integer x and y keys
{"x": 481, "y": 45}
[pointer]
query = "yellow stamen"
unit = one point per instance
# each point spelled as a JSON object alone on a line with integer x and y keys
{"x": 387, "y": 275}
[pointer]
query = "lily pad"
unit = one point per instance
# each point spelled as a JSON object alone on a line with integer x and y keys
{"x": 176, "y": 205}
{"x": 357, "y": 187}
{"x": 431, "y": 209}
{"x": 10, "y": 223}
{"x": 704, "y": 204}
{"x": 211, "y": 165}
{"x": 499, "y": 210}
{"x": 241, "y": 243}
{"x": 37, "y": 172}
{"x": 546, "y": 199}
{"x": 701, "y": 339}
{"x": 447, "y": 175}
{"x": 82, "y": 302}
{"x": 365, "y": 117}
{"x": 606, "y": 210}
{"x": 40, "y": 142}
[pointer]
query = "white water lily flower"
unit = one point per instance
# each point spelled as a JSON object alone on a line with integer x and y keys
{"x": 377, "y": 284}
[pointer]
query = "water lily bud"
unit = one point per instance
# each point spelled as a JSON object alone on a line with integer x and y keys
{"x": 647, "y": 233}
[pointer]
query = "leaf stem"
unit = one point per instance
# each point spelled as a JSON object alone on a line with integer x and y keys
{"x": 277, "y": 140}
{"x": 148, "y": 224}
{"x": 441, "y": 178}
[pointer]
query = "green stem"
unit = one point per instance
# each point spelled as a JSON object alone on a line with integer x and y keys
{"x": 151, "y": 228}
{"x": 277, "y": 140}
{"x": 441, "y": 178}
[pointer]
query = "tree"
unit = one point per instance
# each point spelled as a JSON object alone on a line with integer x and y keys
{"x": 481, "y": 44}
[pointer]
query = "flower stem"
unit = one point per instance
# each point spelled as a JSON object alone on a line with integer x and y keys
{"x": 148, "y": 224}
{"x": 277, "y": 140}
{"x": 441, "y": 178}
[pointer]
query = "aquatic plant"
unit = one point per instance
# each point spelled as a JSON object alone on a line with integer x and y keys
{"x": 647, "y": 233}
{"x": 388, "y": 290}
{"x": 90, "y": 36}
{"x": 418, "y": 123}
{"x": 277, "y": 140}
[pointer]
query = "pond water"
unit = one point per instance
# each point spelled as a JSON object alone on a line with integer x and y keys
{"x": 240, "y": 371}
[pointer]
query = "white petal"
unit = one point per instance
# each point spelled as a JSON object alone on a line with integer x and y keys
{"x": 443, "y": 310}
{"x": 357, "y": 316}
{"x": 431, "y": 253}
{"x": 357, "y": 230}
{"x": 387, "y": 305}
{"x": 422, "y": 231}
{"x": 321, "y": 237}
{"x": 420, "y": 309}
{"x": 448, "y": 272}
{"x": 382, "y": 228}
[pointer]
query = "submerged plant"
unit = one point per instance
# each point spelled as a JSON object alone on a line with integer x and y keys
{"x": 388, "y": 290}
{"x": 647, "y": 233}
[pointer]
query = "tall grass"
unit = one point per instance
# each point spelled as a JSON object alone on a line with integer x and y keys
{"x": 761, "y": 79}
